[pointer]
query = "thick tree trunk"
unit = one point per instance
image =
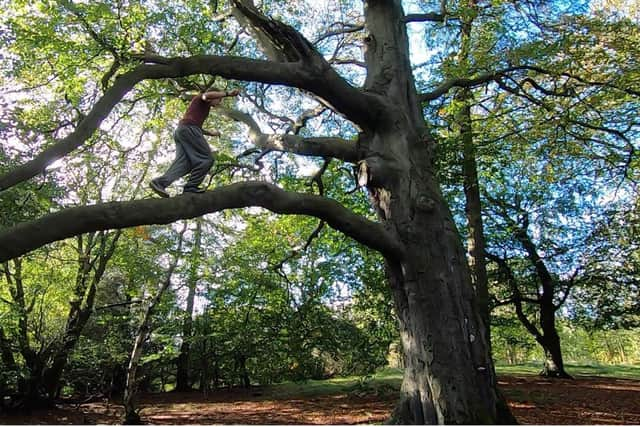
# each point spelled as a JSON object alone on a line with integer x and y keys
{"x": 449, "y": 375}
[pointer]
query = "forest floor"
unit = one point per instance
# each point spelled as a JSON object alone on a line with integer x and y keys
{"x": 534, "y": 400}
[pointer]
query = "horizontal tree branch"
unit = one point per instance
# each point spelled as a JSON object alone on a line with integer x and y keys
{"x": 338, "y": 148}
{"x": 445, "y": 86}
{"x": 25, "y": 237}
{"x": 344, "y": 61}
{"x": 118, "y": 304}
{"x": 583, "y": 80}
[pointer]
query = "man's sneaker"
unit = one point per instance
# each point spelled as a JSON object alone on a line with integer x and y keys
{"x": 158, "y": 189}
{"x": 196, "y": 190}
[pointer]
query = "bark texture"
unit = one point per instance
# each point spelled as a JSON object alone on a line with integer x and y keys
{"x": 449, "y": 376}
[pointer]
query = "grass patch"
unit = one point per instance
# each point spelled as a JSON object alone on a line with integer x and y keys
{"x": 613, "y": 371}
{"x": 311, "y": 387}
{"x": 522, "y": 369}
{"x": 388, "y": 380}
{"x": 384, "y": 381}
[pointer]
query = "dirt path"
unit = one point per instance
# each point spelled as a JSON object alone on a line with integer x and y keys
{"x": 587, "y": 400}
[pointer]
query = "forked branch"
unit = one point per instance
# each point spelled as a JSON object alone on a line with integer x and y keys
{"x": 326, "y": 147}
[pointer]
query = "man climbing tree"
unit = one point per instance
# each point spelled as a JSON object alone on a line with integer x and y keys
{"x": 193, "y": 154}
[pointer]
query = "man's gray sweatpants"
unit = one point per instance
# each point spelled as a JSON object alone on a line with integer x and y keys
{"x": 193, "y": 154}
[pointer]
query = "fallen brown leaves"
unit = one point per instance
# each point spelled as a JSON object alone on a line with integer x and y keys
{"x": 534, "y": 400}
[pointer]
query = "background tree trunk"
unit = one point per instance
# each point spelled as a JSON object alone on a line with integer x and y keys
{"x": 547, "y": 335}
{"x": 550, "y": 342}
{"x": 182, "y": 364}
{"x": 473, "y": 210}
{"x": 131, "y": 415}
{"x": 473, "y": 206}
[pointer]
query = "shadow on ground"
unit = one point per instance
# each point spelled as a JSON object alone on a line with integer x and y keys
{"x": 534, "y": 400}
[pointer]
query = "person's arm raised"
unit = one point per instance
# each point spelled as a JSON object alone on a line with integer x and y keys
{"x": 207, "y": 96}
{"x": 211, "y": 132}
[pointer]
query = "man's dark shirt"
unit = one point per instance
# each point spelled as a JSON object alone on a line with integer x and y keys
{"x": 197, "y": 112}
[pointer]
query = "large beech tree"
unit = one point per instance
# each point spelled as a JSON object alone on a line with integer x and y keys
{"x": 449, "y": 375}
